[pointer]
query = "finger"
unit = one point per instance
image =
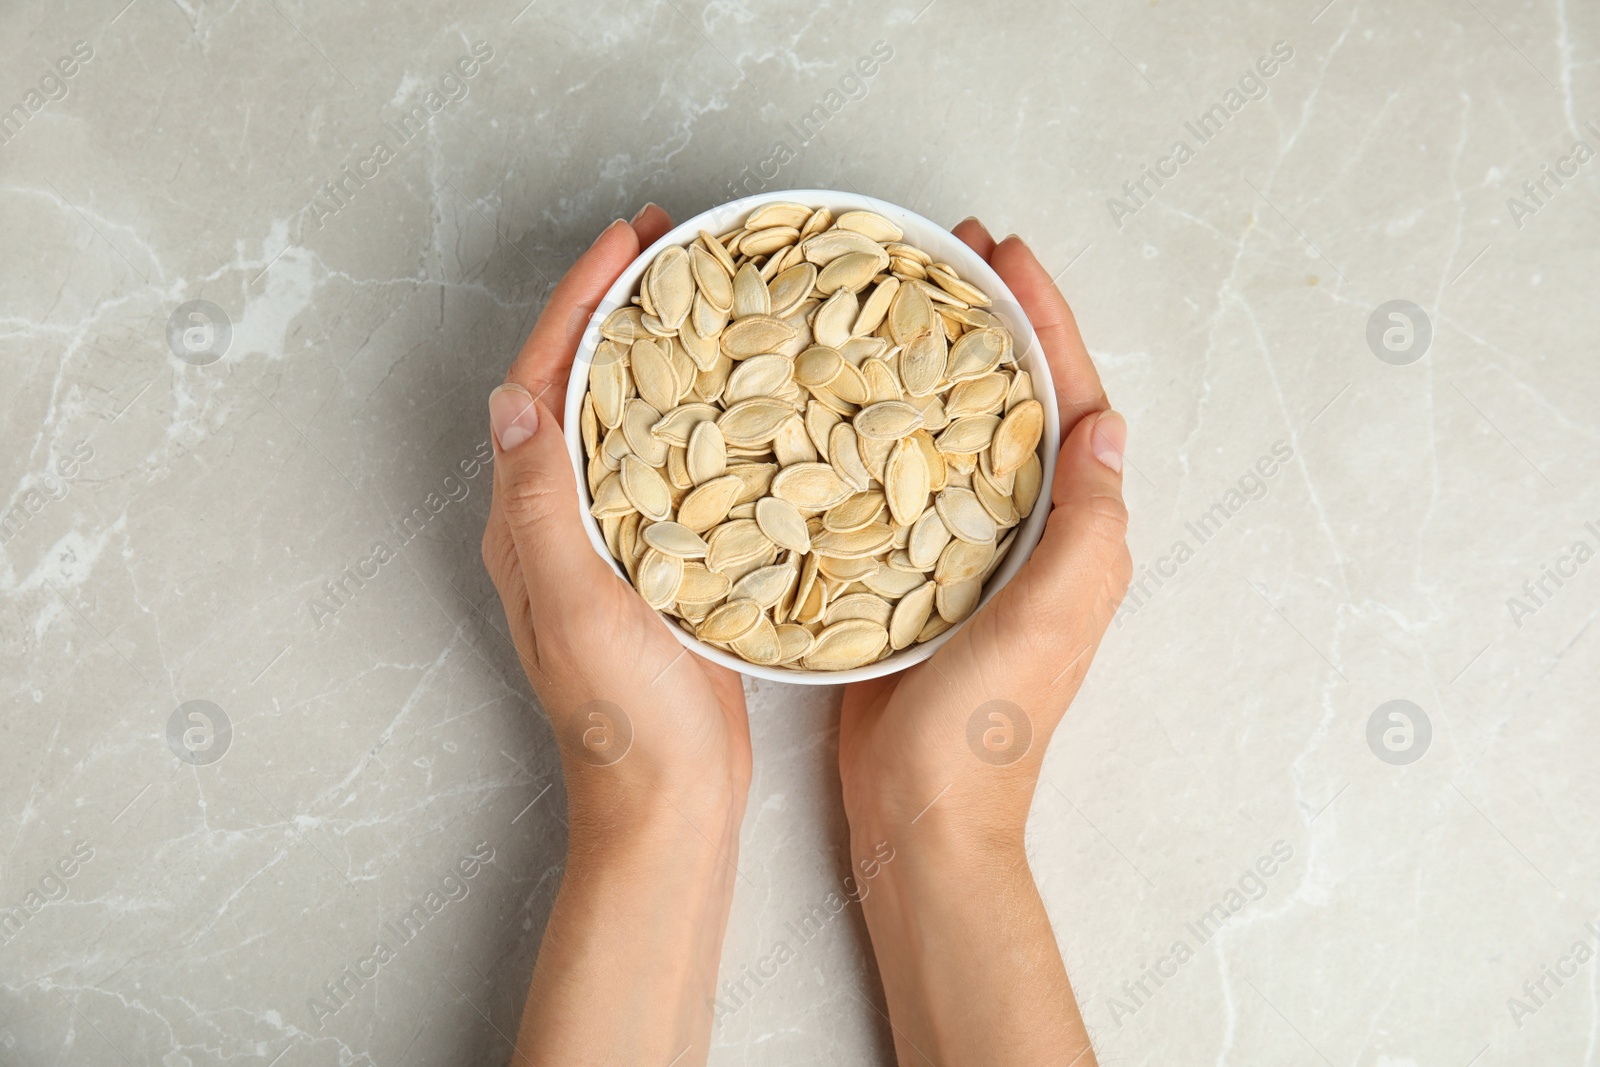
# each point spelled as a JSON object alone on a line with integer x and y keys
{"x": 546, "y": 356}
{"x": 535, "y": 491}
{"x": 650, "y": 223}
{"x": 1081, "y": 565}
{"x": 975, "y": 236}
{"x": 1077, "y": 385}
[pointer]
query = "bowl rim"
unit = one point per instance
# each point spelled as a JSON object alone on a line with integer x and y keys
{"x": 972, "y": 267}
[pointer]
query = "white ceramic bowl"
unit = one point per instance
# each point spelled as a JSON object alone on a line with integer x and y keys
{"x": 943, "y": 246}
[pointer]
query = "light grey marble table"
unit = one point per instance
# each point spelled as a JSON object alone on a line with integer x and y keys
{"x": 1250, "y": 855}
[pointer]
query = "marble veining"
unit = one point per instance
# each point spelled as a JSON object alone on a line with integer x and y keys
{"x": 1328, "y": 796}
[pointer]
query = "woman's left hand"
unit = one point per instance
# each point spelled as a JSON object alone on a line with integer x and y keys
{"x": 633, "y": 712}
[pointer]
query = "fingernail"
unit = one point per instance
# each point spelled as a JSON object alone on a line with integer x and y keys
{"x": 512, "y": 416}
{"x": 969, "y": 218}
{"x": 637, "y": 215}
{"x": 613, "y": 225}
{"x": 1108, "y": 438}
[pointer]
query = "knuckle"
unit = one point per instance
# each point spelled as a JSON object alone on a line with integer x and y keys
{"x": 498, "y": 556}
{"x": 487, "y": 548}
{"x": 1098, "y": 519}
{"x": 531, "y": 501}
{"x": 1118, "y": 577}
{"x": 1123, "y": 571}
{"x": 1104, "y": 517}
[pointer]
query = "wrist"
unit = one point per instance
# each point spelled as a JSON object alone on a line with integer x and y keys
{"x": 947, "y": 846}
{"x": 959, "y": 816}
{"x": 611, "y": 761}
{"x": 623, "y": 781}
{"x": 638, "y": 821}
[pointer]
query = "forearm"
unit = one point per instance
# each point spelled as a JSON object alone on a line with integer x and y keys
{"x": 969, "y": 964}
{"x": 628, "y": 966}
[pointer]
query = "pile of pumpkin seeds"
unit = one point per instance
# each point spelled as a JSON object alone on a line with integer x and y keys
{"x": 807, "y": 442}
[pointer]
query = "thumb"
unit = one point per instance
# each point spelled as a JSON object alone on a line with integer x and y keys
{"x": 1081, "y": 566}
{"x": 535, "y": 491}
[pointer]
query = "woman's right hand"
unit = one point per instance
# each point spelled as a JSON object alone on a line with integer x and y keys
{"x": 939, "y": 763}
